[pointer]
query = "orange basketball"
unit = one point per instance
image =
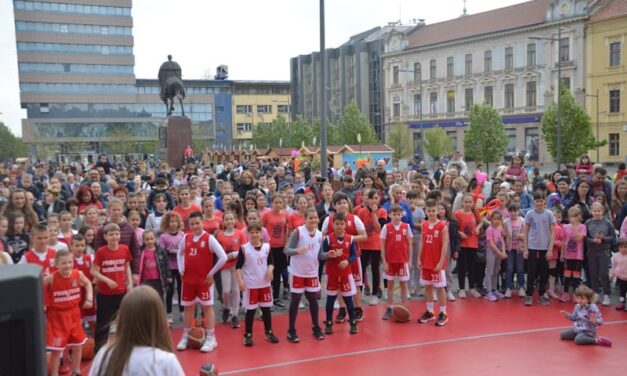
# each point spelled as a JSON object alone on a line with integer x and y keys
{"x": 400, "y": 313}
{"x": 196, "y": 337}
{"x": 87, "y": 352}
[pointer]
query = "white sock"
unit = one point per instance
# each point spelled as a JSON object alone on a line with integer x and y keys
{"x": 210, "y": 332}
{"x": 443, "y": 309}
{"x": 430, "y": 307}
{"x": 186, "y": 331}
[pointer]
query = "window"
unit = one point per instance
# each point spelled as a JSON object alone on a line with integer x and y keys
{"x": 450, "y": 101}
{"x": 418, "y": 144}
{"x": 468, "y": 64}
{"x": 396, "y": 110}
{"x": 614, "y": 101}
{"x": 417, "y": 104}
{"x": 450, "y": 67}
{"x": 487, "y": 61}
{"x": 264, "y": 108}
{"x": 614, "y": 54}
{"x": 244, "y": 109}
{"x": 433, "y": 70}
{"x": 509, "y": 96}
{"x": 488, "y": 96}
{"x": 283, "y": 108}
{"x": 531, "y": 54}
{"x": 532, "y": 143}
{"x": 614, "y": 144}
{"x": 417, "y": 72}
{"x": 433, "y": 103}
{"x": 44, "y": 108}
{"x": 509, "y": 58}
{"x": 566, "y": 82}
{"x": 531, "y": 94}
{"x": 511, "y": 141}
{"x": 244, "y": 127}
{"x": 468, "y": 98}
{"x": 395, "y": 73}
{"x": 564, "y": 49}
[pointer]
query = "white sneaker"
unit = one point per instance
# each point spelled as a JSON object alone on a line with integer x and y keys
{"x": 522, "y": 293}
{"x": 552, "y": 294}
{"x": 508, "y": 293}
{"x": 450, "y": 296}
{"x": 301, "y": 305}
{"x": 210, "y": 344}
{"x": 606, "y": 300}
{"x": 183, "y": 343}
{"x": 374, "y": 300}
{"x": 461, "y": 294}
{"x": 475, "y": 293}
{"x": 336, "y": 305}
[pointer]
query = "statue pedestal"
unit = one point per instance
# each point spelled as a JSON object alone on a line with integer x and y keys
{"x": 174, "y": 136}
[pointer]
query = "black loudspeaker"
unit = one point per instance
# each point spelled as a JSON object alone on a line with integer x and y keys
{"x": 22, "y": 325}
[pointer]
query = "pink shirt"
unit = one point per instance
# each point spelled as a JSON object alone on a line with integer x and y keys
{"x": 171, "y": 242}
{"x": 496, "y": 235}
{"x": 514, "y": 228}
{"x": 574, "y": 247}
{"x": 619, "y": 266}
{"x": 150, "y": 270}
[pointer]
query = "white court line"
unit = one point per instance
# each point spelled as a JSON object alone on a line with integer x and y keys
{"x": 410, "y": 345}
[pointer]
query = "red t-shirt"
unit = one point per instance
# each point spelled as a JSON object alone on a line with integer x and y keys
{"x": 47, "y": 264}
{"x": 432, "y": 241}
{"x": 468, "y": 224}
{"x": 184, "y": 213}
{"x": 231, "y": 243}
{"x": 64, "y": 293}
{"x": 112, "y": 265}
{"x": 295, "y": 220}
{"x": 373, "y": 243}
{"x": 212, "y": 225}
{"x": 276, "y": 224}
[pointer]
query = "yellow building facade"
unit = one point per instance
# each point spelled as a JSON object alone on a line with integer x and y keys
{"x": 606, "y": 76}
{"x": 257, "y": 102}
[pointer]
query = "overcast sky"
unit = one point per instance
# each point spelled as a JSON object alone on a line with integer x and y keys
{"x": 254, "y": 38}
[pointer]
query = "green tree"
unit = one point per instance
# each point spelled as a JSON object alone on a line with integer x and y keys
{"x": 437, "y": 143}
{"x": 352, "y": 123}
{"x": 399, "y": 139}
{"x": 577, "y": 137}
{"x": 486, "y": 140}
{"x": 299, "y": 132}
{"x": 268, "y": 134}
{"x": 333, "y": 133}
{"x": 11, "y": 147}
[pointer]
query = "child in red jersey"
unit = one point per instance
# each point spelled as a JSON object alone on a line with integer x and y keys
{"x": 396, "y": 249}
{"x": 275, "y": 221}
{"x": 432, "y": 263}
{"x": 339, "y": 251}
{"x": 112, "y": 272}
{"x": 40, "y": 254}
{"x": 196, "y": 266}
{"x": 297, "y": 218}
{"x": 63, "y": 313}
{"x": 83, "y": 262}
{"x": 231, "y": 239}
{"x": 65, "y": 228}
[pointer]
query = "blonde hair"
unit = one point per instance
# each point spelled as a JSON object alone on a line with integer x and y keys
{"x": 141, "y": 321}
{"x": 167, "y": 218}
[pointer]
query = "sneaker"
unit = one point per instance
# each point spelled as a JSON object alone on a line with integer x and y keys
{"x": 328, "y": 327}
{"x": 292, "y": 337}
{"x": 604, "y": 341}
{"x": 522, "y": 293}
{"x": 225, "y": 315}
{"x": 359, "y": 314}
{"x": 544, "y": 301}
{"x": 354, "y": 329}
{"x": 450, "y": 296}
{"x": 528, "y": 300}
{"x": 182, "y": 345}
{"x": 564, "y": 297}
{"x": 498, "y": 294}
{"x": 606, "y": 300}
{"x": 301, "y": 305}
{"x": 426, "y": 317}
{"x": 490, "y": 297}
{"x": 367, "y": 290}
{"x": 620, "y": 306}
{"x": 380, "y": 294}
{"x": 234, "y": 322}
{"x": 552, "y": 294}
{"x": 278, "y": 304}
{"x": 341, "y": 316}
{"x": 374, "y": 300}
{"x": 317, "y": 333}
{"x": 387, "y": 314}
{"x": 461, "y": 294}
{"x": 442, "y": 319}
{"x": 475, "y": 293}
{"x": 336, "y": 305}
{"x": 248, "y": 339}
{"x": 270, "y": 337}
{"x": 209, "y": 345}
{"x": 508, "y": 293}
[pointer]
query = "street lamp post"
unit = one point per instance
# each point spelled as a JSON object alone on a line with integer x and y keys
{"x": 323, "y": 97}
{"x": 559, "y": 92}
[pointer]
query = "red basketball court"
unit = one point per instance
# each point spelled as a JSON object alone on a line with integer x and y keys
{"x": 481, "y": 338}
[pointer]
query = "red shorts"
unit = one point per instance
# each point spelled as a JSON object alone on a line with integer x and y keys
{"x": 356, "y": 271}
{"x": 64, "y": 328}
{"x": 192, "y": 293}
{"x": 302, "y": 284}
{"x": 344, "y": 283}
{"x": 398, "y": 271}
{"x": 432, "y": 278}
{"x": 255, "y": 298}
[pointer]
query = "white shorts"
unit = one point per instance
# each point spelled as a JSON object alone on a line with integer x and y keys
{"x": 431, "y": 278}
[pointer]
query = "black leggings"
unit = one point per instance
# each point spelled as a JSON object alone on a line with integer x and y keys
{"x": 250, "y": 318}
{"x": 280, "y": 264}
{"x": 466, "y": 266}
{"x": 108, "y": 306}
{"x": 622, "y": 287}
{"x": 371, "y": 257}
{"x": 350, "y": 307}
{"x": 537, "y": 267}
{"x": 312, "y": 297}
{"x": 176, "y": 278}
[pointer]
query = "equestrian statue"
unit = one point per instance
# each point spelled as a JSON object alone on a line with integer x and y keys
{"x": 171, "y": 82}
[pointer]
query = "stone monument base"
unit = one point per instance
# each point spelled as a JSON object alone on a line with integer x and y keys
{"x": 174, "y": 137}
